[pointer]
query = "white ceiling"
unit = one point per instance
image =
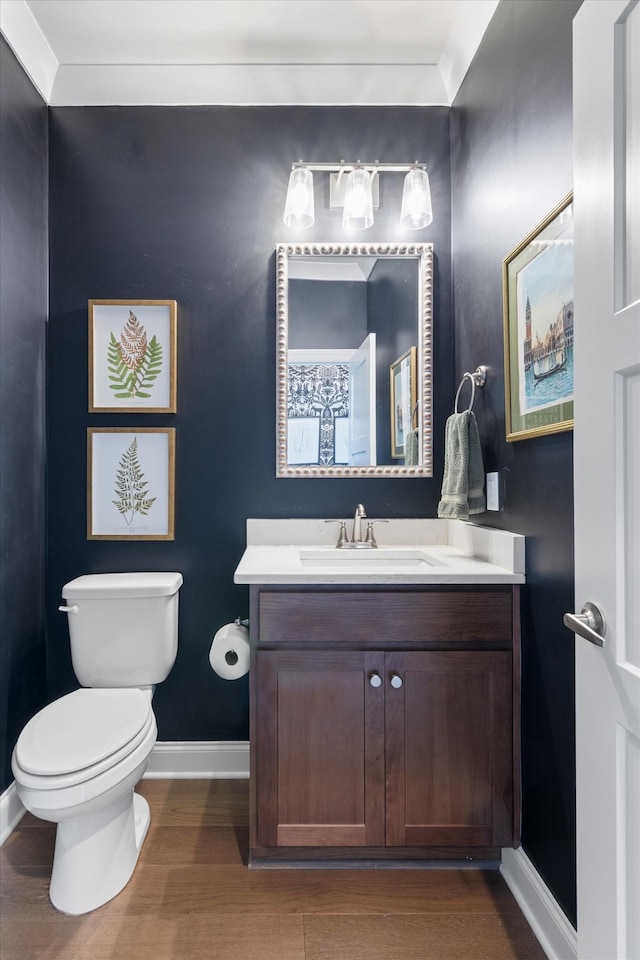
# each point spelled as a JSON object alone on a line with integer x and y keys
{"x": 246, "y": 51}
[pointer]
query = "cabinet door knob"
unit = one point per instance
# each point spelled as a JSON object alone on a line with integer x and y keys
{"x": 396, "y": 681}
{"x": 375, "y": 680}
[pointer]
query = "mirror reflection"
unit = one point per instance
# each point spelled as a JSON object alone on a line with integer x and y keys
{"x": 354, "y": 363}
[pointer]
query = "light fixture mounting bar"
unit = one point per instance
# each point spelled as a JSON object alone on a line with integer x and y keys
{"x": 344, "y": 166}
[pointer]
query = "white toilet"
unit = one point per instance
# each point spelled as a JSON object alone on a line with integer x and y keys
{"x": 77, "y": 761}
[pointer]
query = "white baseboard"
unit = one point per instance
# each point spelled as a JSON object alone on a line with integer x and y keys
{"x": 555, "y": 933}
{"x": 180, "y": 760}
{"x": 200, "y": 760}
{"x": 11, "y": 812}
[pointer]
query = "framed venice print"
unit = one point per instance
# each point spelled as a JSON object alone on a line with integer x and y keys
{"x": 403, "y": 399}
{"x": 538, "y": 328}
{"x": 130, "y": 483}
{"x": 132, "y": 356}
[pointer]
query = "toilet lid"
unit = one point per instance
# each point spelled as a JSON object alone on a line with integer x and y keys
{"x": 81, "y": 729}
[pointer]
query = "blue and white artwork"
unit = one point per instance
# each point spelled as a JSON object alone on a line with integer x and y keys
{"x": 544, "y": 289}
{"x": 319, "y": 393}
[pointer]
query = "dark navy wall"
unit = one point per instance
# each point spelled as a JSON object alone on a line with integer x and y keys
{"x": 393, "y": 305}
{"x": 326, "y": 314}
{"x": 23, "y": 319}
{"x": 187, "y": 203}
{"x": 511, "y": 164}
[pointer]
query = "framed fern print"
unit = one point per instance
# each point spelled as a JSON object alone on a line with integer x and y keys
{"x": 130, "y": 483}
{"x": 132, "y": 356}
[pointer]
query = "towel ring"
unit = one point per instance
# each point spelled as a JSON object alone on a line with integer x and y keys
{"x": 478, "y": 379}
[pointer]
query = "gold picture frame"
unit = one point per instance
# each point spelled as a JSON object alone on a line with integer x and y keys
{"x": 402, "y": 384}
{"x": 538, "y": 328}
{"x": 132, "y": 356}
{"x": 131, "y": 483}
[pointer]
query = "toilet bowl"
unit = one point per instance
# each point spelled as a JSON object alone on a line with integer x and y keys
{"x": 76, "y": 764}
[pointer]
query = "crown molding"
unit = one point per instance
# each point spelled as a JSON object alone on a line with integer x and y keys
{"x": 21, "y": 31}
{"x": 247, "y": 84}
{"x": 472, "y": 19}
{"x": 286, "y": 84}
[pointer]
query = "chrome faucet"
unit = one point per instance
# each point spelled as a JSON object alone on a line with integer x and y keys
{"x": 360, "y": 514}
{"x": 359, "y": 539}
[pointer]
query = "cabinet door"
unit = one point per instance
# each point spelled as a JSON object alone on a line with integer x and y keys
{"x": 449, "y": 749}
{"x": 319, "y": 734}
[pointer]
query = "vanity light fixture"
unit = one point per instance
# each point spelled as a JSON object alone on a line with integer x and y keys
{"x": 357, "y": 213}
{"x": 298, "y": 209}
{"x": 416, "y": 212}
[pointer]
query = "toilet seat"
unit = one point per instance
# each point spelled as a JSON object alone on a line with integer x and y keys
{"x": 81, "y": 735}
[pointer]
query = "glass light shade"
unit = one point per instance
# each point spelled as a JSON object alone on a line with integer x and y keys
{"x": 298, "y": 208}
{"x": 416, "y": 209}
{"x": 358, "y": 201}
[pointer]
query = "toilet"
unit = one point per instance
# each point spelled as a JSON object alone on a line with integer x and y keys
{"x": 76, "y": 762}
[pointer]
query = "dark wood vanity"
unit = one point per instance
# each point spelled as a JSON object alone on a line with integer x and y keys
{"x": 384, "y": 722}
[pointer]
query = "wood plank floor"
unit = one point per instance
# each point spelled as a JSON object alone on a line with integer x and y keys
{"x": 192, "y": 897}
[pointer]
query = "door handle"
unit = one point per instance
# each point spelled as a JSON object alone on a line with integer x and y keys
{"x": 590, "y": 623}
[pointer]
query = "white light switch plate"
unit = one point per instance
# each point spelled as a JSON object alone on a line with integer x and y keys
{"x": 493, "y": 492}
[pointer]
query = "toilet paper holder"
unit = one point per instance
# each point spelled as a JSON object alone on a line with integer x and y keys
{"x": 232, "y": 657}
{"x": 229, "y": 655}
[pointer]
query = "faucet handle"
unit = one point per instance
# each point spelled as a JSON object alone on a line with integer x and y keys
{"x": 342, "y": 536}
{"x": 370, "y": 538}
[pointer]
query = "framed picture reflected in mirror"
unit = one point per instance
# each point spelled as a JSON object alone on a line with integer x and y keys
{"x": 403, "y": 400}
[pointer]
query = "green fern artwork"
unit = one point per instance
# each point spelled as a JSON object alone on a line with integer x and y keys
{"x": 131, "y": 487}
{"x": 134, "y": 361}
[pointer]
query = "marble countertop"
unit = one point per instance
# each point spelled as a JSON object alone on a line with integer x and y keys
{"x": 410, "y": 552}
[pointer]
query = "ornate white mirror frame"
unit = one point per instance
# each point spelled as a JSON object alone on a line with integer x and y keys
{"x": 423, "y": 253}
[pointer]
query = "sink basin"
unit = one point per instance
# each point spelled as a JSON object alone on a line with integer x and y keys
{"x": 332, "y": 558}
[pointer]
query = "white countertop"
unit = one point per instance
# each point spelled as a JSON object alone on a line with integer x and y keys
{"x": 437, "y": 551}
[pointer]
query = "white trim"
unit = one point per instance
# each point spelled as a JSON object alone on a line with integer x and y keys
{"x": 243, "y": 84}
{"x": 468, "y": 29}
{"x": 309, "y": 355}
{"x": 11, "y": 812}
{"x": 169, "y": 84}
{"x": 199, "y": 760}
{"x": 175, "y": 760}
{"x": 31, "y": 47}
{"x": 555, "y": 933}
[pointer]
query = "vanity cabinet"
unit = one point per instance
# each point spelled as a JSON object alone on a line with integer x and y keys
{"x": 382, "y": 722}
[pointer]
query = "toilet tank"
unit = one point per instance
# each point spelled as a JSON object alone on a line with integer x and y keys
{"x": 123, "y": 627}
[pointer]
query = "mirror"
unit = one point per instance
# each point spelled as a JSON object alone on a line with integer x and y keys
{"x": 354, "y": 360}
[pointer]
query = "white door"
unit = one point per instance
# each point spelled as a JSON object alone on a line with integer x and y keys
{"x": 607, "y": 473}
{"x": 362, "y": 398}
